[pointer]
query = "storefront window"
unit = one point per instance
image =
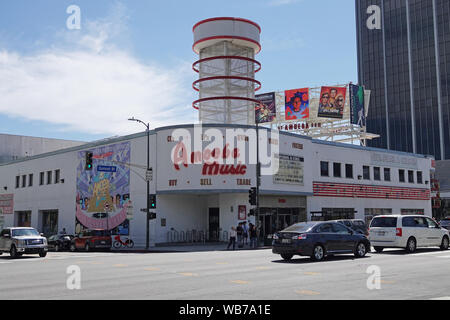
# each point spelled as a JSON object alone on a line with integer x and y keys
{"x": 333, "y": 214}
{"x": 49, "y": 223}
{"x": 412, "y": 211}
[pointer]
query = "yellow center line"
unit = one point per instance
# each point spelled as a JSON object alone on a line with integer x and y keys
{"x": 307, "y": 292}
{"x": 239, "y": 281}
{"x": 188, "y": 274}
{"x": 120, "y": 265}
{"x": 312, "y": 273}
{"x": 263, "y": 268}
{"x": 387, "y": 281}
{"x": 151, "y": 269}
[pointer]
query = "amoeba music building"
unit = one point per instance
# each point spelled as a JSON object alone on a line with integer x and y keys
{"x": 202, "y": 183}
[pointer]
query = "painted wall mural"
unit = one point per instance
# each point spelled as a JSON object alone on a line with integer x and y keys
{"x": 103, "y": 193}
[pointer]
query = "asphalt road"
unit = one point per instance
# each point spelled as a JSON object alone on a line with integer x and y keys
{"x": 226, "y": 275}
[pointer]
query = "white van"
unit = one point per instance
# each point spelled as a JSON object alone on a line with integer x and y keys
{"x": 409, "y": 232}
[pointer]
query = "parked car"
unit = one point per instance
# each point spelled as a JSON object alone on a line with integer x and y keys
{"x": 319, "y": 239}
{"x": 409, "y": 232}
{"x": 445, "y": 223}
{"x": 91, "y": 239}
{"x": 19, "y": 241}
{"x": 355, "y": 224}
{"x": 60, "y": 242}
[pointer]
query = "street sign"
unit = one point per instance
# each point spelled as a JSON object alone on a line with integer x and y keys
{"x": 149, "y": 174}
{"x": 107, "y": 168}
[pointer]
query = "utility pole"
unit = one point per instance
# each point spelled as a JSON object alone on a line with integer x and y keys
{"x": 147, "y": 237}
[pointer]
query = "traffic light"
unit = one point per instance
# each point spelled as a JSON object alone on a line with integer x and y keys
{"x": 252, "y": 196}
{"x": 152, "y": 215}
{"x": 88, "y": 164}
{"x": 152, "y": 201}
{"x": 251, "y": 213}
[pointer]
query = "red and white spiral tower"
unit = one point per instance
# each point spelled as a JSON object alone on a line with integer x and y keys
{"x": 227, "y": 66}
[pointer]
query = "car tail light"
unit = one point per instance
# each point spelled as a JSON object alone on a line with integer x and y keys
{"x": 299, "y": 237}
{"x": 399, "y": 232}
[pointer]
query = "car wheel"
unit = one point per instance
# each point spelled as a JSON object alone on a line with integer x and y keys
{"x": 378, "y": 249}
{"x": 286, "y": 256}
{"x": 13, "y": 252}
{"x": 42, "y": 253}
{"x": 318, "y": 253}
{"x": 411, "y": 245}
{"x": 444, "y": 244}
{"x": 360, "y": 250}
{"x": 72, "y": 247}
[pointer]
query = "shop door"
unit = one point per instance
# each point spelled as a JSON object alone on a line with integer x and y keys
{"x": 213, "y": 224}
{"x": 49, "y": 223}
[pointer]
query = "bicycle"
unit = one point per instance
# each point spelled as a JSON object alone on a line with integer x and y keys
{"x": 118, "y": 243}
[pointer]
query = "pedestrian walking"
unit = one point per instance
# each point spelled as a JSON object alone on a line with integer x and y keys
{"x": 245, "y": 230}
{"x": 232, "y": 238}
{"x": 240, "y": 235}
{"x": 253, "y": 236}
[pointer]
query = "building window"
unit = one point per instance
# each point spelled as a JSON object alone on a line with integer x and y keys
{"x": 41, "y": 178}
{"x": 24, "y": 181}
{"x": 410, "y": 176}
{"x": 49, "y": 177}
{"x": 324, "y": 169}
{"x": 419, "y": 177}
{"x": 57, "y": 176}
{"x": 401, "y": 175}
{"x": 387, "y": 174}
{"x": 17, "y": 182}
{"x": 366, "y": 172}
{"x": 349, "y": 171}
{"x": 30, "y": 180}
{"x": 376, "y": 173}
{"x": 411, "y": 211}
{"x": 336, "y": 170}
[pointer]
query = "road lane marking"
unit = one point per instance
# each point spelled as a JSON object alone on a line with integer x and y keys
{"x": 387, "y": 281}
{"x": 188, "y": 274}
{"x": 120, "y": 265}
{"x": 151, "y": 269}
{"x": 312, "y": 273}
{"x": 441, "y": 298}
{"x": 263, "y": 268}
{"x": 307, "y": 292}
{"x": 427, "y": 253}
{"x": 239, "y": 281}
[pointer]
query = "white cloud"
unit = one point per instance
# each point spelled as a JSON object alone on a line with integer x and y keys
{"x": 89, "y": 84}
{"x": 277, "y": 3}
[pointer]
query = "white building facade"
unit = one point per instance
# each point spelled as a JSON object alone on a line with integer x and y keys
{"x": 201, "y": 177}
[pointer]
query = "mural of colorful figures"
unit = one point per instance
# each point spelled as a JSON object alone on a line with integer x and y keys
{"x": 103, "y": 193}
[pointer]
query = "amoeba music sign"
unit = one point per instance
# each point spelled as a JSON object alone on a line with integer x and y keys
{"x": 290, "y": 170}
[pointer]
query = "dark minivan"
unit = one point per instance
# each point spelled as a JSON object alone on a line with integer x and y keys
{"x": 319, "y": 239}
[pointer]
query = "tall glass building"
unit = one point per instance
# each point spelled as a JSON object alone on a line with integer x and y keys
{"x": 404, "y": 58}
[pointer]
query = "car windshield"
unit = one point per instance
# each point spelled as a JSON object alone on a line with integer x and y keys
{"x": 100, "y": 233}
{"x": 299, "y": 227}
{"x": 24, "y": 232}
{"x": 384, "y": 222}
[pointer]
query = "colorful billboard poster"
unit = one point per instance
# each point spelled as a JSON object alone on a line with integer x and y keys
{"x": 357, "y": 112}
{"x": 103, "y": 196}
{"x": 297, "y": 104}
{"x": 266, "y": 112}
{"x": 332, "y": 102}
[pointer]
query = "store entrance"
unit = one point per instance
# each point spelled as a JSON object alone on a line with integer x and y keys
{"x": 49, "y": 222}
{"x": 214, "y": 224}
{"x": 272, "y": 220}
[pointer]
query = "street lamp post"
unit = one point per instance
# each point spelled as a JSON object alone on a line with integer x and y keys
{"x": 147, "y": 125}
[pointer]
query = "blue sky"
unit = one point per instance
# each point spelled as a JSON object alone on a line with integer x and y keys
{"x": 133, "y": 58}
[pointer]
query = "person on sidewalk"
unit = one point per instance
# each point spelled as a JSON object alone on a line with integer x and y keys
{"x": 232, "y": 238}
{"x": 240, "y": 235}
{"x": 245, "y": 232}
{"x": 253, "y": 236}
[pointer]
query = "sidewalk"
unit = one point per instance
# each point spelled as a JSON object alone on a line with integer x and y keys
{"x": 185, "y": 247}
